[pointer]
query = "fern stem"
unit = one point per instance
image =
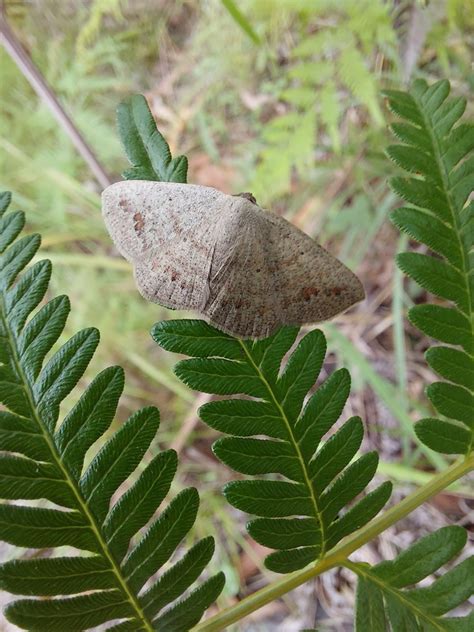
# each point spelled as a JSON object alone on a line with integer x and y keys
{"x": 340, "y": 553}
{"x": 81, "y": 505}
{"x": 307, "y": 478}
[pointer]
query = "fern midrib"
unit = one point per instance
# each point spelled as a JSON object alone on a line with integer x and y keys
{"x": 67, "y": 477}
{"x": 445, "y": 180}
{"x": 307, "y": 478}
{"x": 398, "y": 594}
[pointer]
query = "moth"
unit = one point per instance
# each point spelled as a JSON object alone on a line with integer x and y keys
{"x": 247, "y": 270}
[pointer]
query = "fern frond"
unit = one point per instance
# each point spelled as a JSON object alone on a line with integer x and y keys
{"x": 301, "y": 512}
{"x": 382, "y": 589}
{"x": 438, "y": 149}
{"x": 43, "y": 461}
{"x": 146, "y": 149}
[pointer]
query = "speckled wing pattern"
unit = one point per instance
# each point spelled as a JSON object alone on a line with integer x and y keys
{"x": 247, "y": 270}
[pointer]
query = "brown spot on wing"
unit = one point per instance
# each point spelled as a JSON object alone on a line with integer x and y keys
{"x": 334, "y": 291}
{"x": 308, "y": 292}
{"x": 139, "y": 223}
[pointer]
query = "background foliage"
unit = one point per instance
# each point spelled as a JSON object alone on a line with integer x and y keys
{"x": 231, "y": 105}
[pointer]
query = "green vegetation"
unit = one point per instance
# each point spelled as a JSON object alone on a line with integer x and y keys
{"x": 304, "y": 518}
{"x": 265, "y": 99}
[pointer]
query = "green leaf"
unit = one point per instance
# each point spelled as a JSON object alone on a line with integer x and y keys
{"x": 5, "y": 199}
{"x": 71, "y": 613}
{"x": 370, "y": 613}
{"x": 449, "y": 590}
{"x": 178, "y": 578}
{"x": 243, "y": 418}
{"x": 291, "y": 559}
{"x": 321, "y": 412}
{"x": 336, "y": 453}
{"x": 285, "y": 533}
{"x": 270, "y": 499}
{"x": 161, "y": 539}
{"x": 443, "y": 436}
{"x": 40, "y": 334}
{"x": 400, "y": 618}
{"x": 136, "y": 506}
{"x": 25, "y": 479}
{"x": 56, "y": 576}
{"x": 354, "y": 73}
{"x": 301, "y": 372}
{"x": 43, "y": 459}
{"x": 443, "y": 323}
{"x": 186, "y": 613}
{"x": 416, "y": 608}
{"x": 427, "y": 229}
{"x": 436, "y": 276}
{"x": 10, "y": 228}
{"x": 410, "y": 135}
{"x": 277, "y": 433}
{"x": 117, "y": 459}
{"x": 448, "y": 114}
{"x": 425, "y": 195}
{"x": 62, "y": 372}
{"x": 452, "y": 401}
{"x": 256, "y": 456}
{"x": 404, "y": 105}
{"x": 204, "y": 341}
{"x": 418, "y": 161}
{"x": 42, "y": 528}
{"x": 89, "y": 418}
{"x": 436, "y": 147}
{"x": 16, "y": 257}
{"x": 146, "y": 149}
{"x": 458, "y": 144}
{"x": 360, "y": 513}
{"x": 223, "y": 377}
{"x": 27, "y": 293}
{"x": 452, "y": 364}
{"x": 20, "y": 435}
{"x": 350, "y": 484}
{"x": 423, "y": 558}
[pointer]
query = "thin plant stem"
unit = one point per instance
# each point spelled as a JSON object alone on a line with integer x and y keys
{"x": 33, "y": 75}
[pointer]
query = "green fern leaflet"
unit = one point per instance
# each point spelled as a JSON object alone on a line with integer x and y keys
{"x": 438, "y": 149}
{"x": 299, "y": 516}
{"x": 382, "y": 589}
{"x": 108, "y": 580}
{"x": 146, "y": 149}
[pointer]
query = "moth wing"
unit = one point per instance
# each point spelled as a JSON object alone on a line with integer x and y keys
{"x": 166, "y": 231}
{"x": 141, "y": 215}
{"x": 315, "y": 285}
{"x": 266, "y": 273}
{"x": 175, "y": 278}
